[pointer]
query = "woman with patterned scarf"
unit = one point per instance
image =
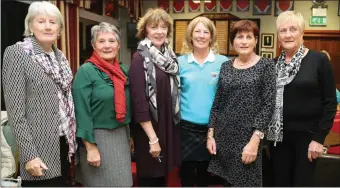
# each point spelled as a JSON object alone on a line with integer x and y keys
{"x": 155, "y": 85}
{"x": 37, "y": 84}
{"x": 305, "y": 105}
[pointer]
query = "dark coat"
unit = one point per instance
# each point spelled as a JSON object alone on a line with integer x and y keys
{"x": 166, "y": 131}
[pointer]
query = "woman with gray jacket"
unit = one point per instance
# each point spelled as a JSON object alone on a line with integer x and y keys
{"x": 37, "y": 90}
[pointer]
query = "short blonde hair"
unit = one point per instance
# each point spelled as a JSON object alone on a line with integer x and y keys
{"x": 291, "y": 17}
{"x": 187, "y": 43}
{"x": 104, "y": 27}
{"x": 153, "y": 16}
{"x": 44, "y": 8}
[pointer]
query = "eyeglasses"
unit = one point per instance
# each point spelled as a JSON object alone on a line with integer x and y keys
{"x": 158, "y": 159}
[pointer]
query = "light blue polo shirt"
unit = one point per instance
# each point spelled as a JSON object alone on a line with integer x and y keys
{"x": 198, "y": 86}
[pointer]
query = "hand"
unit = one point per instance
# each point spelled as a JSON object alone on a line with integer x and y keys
{"x": 155, "y": 149}
{"x": 132, "y": 145}
{"x": 249, "y": 153}
{"x": 211, "y": 146}
{"x": 314, "y": 150}
{"x": 35, "y": 167}
{"x": 93, "y": 157}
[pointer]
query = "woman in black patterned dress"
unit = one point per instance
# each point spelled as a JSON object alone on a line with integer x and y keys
{"x": 242, "y": 109}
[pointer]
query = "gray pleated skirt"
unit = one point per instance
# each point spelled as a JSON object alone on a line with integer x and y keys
{"x": 115, "y": 167}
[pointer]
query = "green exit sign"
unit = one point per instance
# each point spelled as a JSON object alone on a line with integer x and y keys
{"x": 318, "y": 20}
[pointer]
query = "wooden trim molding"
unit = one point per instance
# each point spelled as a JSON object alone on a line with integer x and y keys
{"x": 322, "y": 33}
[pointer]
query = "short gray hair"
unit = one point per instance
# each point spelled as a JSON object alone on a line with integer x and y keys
{"x": 104, "y": 27}
{"x": 45, "y": 8}
{"x": 291, "y": 17}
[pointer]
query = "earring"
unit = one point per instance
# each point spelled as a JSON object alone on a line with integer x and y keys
{"x": 31, "y": 33}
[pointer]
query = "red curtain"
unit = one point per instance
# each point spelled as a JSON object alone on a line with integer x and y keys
{"x": 135, "y": 9}
{"x": 68, "y": 42}
{"x": 73, "y": 37}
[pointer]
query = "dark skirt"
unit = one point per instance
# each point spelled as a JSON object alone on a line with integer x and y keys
{"x": 169, "y": 140}
{"x": 193, "y": 142}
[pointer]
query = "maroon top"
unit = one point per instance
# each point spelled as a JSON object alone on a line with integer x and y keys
{"x": 165, "y": 129}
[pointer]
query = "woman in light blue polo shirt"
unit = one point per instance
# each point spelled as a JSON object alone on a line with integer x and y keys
{"x": 199, "y": 70}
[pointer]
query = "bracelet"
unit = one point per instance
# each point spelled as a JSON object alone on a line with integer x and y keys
{"x": 259, "y": 134}
{"x": 154, "y": 142}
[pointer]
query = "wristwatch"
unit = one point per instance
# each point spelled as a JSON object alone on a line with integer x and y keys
{"x": 259, "y": 134}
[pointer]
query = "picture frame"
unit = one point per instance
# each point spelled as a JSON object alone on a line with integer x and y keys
{"x": 282, "y": 6}
{"x": 242, "y": 5}
{"x": 267, "y": 54}
{"x": 262, "y": 7}
{"x": 338, "y": 7}
{"x": 226, "y": 5}
{"x": 267, "y": 40}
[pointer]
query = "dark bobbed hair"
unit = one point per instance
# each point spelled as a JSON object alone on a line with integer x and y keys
{"x": 243, "y": 26}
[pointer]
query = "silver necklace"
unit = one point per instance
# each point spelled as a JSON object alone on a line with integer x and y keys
{"x": 244, "y": 64}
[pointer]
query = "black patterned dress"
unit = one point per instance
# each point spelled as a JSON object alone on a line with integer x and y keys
{"x": 244, "y": 102}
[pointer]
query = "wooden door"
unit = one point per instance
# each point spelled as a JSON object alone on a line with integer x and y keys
{"x": 332, "y": 46}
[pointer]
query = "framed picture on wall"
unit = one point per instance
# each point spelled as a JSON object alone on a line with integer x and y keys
{"x": 262, "y": 7}
{"x": 267, "y": 54}
{"x": 267, "y": 40}
{"x": 281, "y": 6}
{"x": 338, "y": 7}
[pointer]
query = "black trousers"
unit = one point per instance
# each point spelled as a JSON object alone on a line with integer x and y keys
{"x": 151, "y": 182}
{"x": 290, "y": 164}
{"x": 194, "y": 173}
{"x": 60, "y": 181}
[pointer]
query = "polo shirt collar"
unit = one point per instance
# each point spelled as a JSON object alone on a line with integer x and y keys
{"x": 210, "y": 58}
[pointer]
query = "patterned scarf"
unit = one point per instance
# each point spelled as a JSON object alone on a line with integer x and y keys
{"x": 285, "y": 73}
{"x": 167, "y": 62}
{"x": 118, "y": 79}
{"x": 59, "y": 71}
